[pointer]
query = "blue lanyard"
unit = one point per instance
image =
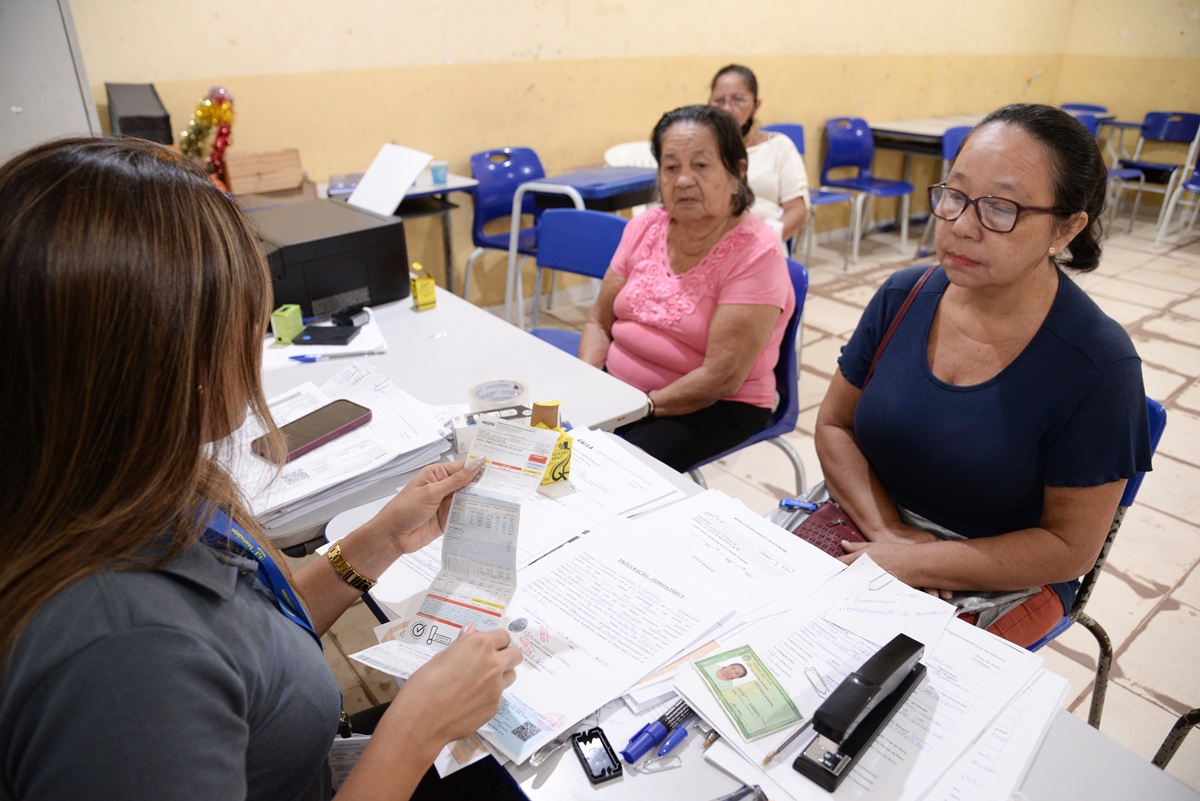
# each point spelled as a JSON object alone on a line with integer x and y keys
{"x": 222, "y": 532}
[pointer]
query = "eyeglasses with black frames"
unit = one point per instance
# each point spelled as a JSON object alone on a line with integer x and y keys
{"x": 997, "y": 214}
{"x": 735, "y": 100}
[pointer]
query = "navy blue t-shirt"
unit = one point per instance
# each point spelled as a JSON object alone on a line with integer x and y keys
{"x": 1070, "y": 411}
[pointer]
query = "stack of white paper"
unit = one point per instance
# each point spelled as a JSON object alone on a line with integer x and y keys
{"x": 606, "y": 480}
{"x": 972, "y": 677}
{"x": 401, "y": 437}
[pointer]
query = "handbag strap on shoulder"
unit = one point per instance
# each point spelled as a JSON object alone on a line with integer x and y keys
{"x": 887, "y": 336}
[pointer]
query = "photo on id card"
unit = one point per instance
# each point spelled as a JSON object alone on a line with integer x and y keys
{"x": 752, "y": 697}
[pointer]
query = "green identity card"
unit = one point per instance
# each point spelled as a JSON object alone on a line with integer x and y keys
{"x": 752, "y": 697}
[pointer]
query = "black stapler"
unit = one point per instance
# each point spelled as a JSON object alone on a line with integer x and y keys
{"x": 858, "y": 709}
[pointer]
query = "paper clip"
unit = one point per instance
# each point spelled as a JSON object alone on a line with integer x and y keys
{"x": 815, "y": 679}
{"x": 658, "y": 764}
{"x": 880, "y": 581}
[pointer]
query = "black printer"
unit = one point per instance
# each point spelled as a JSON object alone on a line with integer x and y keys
{"x": 326, "y": 255}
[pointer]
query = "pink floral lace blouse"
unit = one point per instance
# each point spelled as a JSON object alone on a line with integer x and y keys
{"x": 662, "y": 319}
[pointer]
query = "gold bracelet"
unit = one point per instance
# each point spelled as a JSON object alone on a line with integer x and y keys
{"x": 344, "y": 569}
{"x": 650, "y": 403}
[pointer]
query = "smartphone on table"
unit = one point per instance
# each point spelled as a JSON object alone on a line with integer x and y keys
{"x": 317, "y": 428}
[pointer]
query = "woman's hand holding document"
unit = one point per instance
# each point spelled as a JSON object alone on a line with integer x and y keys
{"x": 479, "y": 549}
{"x": 590, "y": 619}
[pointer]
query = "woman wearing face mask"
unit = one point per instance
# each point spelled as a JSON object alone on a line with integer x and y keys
{"x": 776, "y": 171}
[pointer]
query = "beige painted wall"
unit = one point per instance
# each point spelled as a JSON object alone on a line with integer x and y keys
{"x": 571, "y": 77}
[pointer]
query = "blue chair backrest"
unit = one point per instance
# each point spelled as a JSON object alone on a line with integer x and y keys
{"x": 791, "y": 130}
{"x": 1170, "y": 126}
{"x": 1086, "y": 108}
{"x": 1158, "y": 422}
{"x": 578, "y": 240}
{"x": 849, "y": 143}
{"x": 499, "y": 173}
{"x": 787, "y": 369}
{"x": 1089, "y": 121}
{"x": 952, "y": 141}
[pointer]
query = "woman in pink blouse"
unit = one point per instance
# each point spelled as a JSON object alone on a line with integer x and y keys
{"x": 695, "y": 302}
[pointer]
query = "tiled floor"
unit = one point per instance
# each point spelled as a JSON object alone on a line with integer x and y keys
{"x": 1149, "y": 596}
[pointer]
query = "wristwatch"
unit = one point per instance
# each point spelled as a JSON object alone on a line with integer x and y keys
{"x": 344, "y": 569}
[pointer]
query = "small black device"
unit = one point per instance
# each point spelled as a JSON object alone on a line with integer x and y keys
{"x": 326, "y": 335}
{"x": 598, "y": 758}
{"x": 351, "y": 315}
{"x": 318, "y": 427}
{"x": 856, "y": 711}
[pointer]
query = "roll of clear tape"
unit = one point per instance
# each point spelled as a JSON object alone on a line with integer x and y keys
{"x": 498, "y": 394}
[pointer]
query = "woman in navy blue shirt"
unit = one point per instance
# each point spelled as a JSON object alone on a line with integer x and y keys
{"x": 1006, "y": 408}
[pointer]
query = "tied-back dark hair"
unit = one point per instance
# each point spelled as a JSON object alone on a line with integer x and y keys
{"x": 137, "y": 296}
{"x": 729, "y": 144}
{"x": 747, "y": 75}
{"x": 1079, "y": 177}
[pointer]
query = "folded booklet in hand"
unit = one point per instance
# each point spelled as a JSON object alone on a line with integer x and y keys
{"x": 827, "y": 527}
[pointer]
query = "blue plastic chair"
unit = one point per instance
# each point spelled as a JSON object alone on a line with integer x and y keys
{"x": 1158, "y": 422}
{"x": 787, "y": 377}
{"x": 850, "y": 143}
{"x": 575, "y": 241}
{"x": 1120, "y": 179}
{"x": 1190, "y": 185}
{"x": 951, "y": 141}
{"x": 816, "y": 197}
{"x": 499, "y": 173}
{"x": 1165, "y": 127}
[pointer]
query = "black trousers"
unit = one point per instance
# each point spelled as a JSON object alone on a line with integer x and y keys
{"x": 686, "y": 439}
{"x": 485, "y": 780}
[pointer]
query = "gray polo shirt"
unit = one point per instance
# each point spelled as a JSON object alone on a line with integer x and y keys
{"x": 183, "y": 683}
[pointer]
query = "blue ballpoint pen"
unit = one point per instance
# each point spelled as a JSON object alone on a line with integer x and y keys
{"x": 320, "y": 357}
{"x": 796, "y": 503}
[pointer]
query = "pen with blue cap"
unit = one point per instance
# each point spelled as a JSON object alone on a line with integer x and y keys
{"x": 676, "y": 737}
{"x": 655, "y": 732}
{"x": 796, "y": 503}
{"x": 320, "y": 357}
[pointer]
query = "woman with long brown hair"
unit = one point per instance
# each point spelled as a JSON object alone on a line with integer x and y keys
{"x": 149, "y": 648}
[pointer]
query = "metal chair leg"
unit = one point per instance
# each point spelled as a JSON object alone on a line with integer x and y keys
{"x": 856, "y": 224}
{"x": 1175, "y": 738}
{"x": 466, "y": 288}
{"x": 794, "y": 457}
{"x": 537, "y": 297}
{"x": 1103, "y": 668}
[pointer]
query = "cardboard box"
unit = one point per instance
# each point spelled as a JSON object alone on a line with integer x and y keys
{"x": 250, "y": 173}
